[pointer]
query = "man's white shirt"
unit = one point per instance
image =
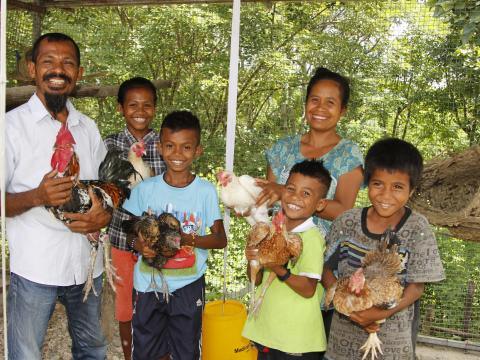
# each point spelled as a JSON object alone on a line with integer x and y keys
{"x": 42, "y": 248}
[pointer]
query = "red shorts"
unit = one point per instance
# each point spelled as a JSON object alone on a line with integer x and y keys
{"x": 124, "y": 262}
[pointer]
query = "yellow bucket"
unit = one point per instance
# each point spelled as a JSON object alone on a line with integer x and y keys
{"x": 222, "y": 332}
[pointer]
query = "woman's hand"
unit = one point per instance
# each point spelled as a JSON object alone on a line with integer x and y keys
{"x": 271, "y": 193}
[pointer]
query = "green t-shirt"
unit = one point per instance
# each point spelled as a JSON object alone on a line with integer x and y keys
{"x": 287, "y": 321}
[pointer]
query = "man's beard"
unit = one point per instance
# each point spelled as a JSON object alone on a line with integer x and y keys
{"x": 56, "y": 102}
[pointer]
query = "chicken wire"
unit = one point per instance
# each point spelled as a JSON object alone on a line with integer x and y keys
{"x": 450, "y": 309}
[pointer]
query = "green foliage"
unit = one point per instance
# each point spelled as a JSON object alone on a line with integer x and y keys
{"x": 463, "y": 15}
{"x": 448, "y": 304}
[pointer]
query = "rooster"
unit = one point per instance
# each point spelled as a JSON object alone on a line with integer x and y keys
{"x": 142, "y": 170}
{"x": 275, "y": 247}
{"x": 240, "y": 193}
{"x": 162, "y": 235}
{"x": 112, "y": 188}
{"x": 375, "y": 283}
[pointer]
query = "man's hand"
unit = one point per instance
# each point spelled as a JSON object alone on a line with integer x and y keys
{"x": 93, "y": 220}
{"x": 54, "y": 191}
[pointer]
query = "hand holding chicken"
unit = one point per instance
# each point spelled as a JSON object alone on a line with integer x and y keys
{"x": 269, "y": 245}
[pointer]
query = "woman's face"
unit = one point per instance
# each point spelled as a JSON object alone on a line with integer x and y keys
{"x": 324, "y": 108}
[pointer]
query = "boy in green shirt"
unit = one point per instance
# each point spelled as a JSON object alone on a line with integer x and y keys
{"x": 289, "y": 324}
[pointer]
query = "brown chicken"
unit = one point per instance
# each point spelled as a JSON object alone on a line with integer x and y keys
{"x": 275, "y": 247}
{"x": 375, "y": 283}
{"x": 161, "y": 234}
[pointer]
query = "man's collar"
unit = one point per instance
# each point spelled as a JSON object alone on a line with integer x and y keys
{"x": 306, "y": 225}
{"x": 39, "y": 111}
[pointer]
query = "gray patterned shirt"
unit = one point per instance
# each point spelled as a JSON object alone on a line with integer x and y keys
{"x": 348, "y": 241}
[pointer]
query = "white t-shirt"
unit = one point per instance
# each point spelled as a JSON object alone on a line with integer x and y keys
{"x": 42, "y": 248}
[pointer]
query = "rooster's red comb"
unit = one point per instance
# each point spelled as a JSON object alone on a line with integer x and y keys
{"x": 64, "y": 136}
{"x": 279, "y": 220}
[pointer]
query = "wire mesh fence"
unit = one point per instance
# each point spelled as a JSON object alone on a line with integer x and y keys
{"x": 410, "y": 78}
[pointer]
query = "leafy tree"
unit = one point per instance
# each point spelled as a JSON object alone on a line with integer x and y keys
{"x": 463, "y": 15}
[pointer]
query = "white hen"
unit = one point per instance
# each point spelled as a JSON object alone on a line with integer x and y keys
{"x": 143, "y": 171}
{"x": 240, "y": 193}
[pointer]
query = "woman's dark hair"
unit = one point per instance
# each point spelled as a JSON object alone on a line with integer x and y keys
{"x": 136, "y": 83}
{"x": 322, "y": 73}
{"x": 392, "y": 154}
{"x": 54, "y": 37}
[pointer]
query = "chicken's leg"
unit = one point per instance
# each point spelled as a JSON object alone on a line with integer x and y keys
{"x": 110, "y": 270}
{"x": 265, "y": 286}
{"x": 89, "y": 283}
{"x": 254, "y": 269}
{"x": 373, "y": 344}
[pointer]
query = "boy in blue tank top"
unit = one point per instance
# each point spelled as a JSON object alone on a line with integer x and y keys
{"x": 161, "y": 328}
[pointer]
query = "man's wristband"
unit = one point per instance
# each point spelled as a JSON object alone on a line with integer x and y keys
{"x": 285, "y": 276}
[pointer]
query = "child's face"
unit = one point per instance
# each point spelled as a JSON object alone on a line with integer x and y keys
{"x": 139, "y": 110}
{"x": 389, "y": 192}
{"x": 179, "y": 149}
{"x": 303, "y": 196}
{"x": 324, "y": 108}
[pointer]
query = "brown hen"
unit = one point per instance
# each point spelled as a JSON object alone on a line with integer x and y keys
{"x": 275, "y": 247}
{"x": 375, "y": 283}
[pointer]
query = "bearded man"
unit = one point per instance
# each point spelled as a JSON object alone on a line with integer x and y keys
{"x": 48, "y": 259}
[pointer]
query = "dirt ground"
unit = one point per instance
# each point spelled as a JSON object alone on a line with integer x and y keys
{"x": 57, "y": 344}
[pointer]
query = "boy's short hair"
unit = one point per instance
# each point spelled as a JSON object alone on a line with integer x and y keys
{"x": 137, "y": 82}
{"x": 181, "y": 120}
{"x": 314, "y": 169}
{"x": 54, "y": 37}
{"x": 394, "y": 154}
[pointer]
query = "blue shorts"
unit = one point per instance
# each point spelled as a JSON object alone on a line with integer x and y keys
{"x": 174, "y": 328}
